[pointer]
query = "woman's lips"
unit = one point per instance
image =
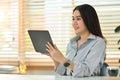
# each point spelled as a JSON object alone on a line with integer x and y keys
{"x": 76, "y": 28}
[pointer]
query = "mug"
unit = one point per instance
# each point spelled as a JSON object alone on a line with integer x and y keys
{"x": 113, "y": 71}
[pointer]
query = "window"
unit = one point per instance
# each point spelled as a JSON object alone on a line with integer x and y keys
{"x": 8, "y": 31}
{"x": 51, "y": 15}
{"x": 19, "y": 16}
{"x": 109, "y": 15}
{"x": 9, "y": 27}
{"x": 108, "y": 20}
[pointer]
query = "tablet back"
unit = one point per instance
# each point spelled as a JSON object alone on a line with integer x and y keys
{"x": 39, "y": 39}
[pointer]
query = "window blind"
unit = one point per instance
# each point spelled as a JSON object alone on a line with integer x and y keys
{"x": 56, "y": 16}
{"x": 49, "y": 15}
{"x": 109, "y": 15}
{"x": 8, "y": 31}
{"x": 8, "y": 26}
{"x": 53, "y": 18}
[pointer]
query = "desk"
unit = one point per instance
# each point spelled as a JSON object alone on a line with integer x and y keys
{"x": 50, "y": 77}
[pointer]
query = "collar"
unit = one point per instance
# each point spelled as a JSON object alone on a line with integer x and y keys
{"x": 74, "y": 39}
{"x": 91, "y": 36}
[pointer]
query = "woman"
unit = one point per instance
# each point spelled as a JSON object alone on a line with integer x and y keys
{"x": 86, "y": 51}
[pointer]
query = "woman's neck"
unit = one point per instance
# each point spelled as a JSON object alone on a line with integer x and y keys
{"x": 84, "y": 36}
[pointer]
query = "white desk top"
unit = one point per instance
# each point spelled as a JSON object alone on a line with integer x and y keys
{"x": 49, "y": 77}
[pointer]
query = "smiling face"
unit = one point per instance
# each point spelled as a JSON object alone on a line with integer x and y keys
{"x": 78, "y": 23}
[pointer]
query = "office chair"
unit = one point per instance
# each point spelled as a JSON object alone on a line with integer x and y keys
{"x": 103, "y": 71}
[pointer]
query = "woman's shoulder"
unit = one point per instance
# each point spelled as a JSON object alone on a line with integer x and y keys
{"x": 100, "y": 41}
{"x": 91, "y": 38}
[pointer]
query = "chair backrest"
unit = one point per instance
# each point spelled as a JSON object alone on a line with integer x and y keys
{"x": 103, "y": 71}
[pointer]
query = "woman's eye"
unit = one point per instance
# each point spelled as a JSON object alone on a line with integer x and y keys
{"x": 72, "y": 18}
{"x": 78, "y": 18}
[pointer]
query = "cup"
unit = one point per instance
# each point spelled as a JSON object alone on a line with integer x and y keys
{"x": 113, "y": 71}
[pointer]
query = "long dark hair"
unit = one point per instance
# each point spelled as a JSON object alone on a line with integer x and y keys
{"x": 90, "y": 19}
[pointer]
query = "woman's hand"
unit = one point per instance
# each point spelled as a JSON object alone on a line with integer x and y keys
{"x": 55, "y": 62}
{"x": 55, "y": 53}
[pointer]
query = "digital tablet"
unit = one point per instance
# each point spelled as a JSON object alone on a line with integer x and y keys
{"x": 39, "y": 39}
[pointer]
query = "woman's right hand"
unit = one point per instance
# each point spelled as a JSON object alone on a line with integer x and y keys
{"x": 55, "y": 62}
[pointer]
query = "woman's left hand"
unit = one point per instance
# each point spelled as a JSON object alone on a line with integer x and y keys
{"x": 55, "y": 53}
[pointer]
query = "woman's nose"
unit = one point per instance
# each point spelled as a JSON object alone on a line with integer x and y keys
{"x": 74, "y": 22}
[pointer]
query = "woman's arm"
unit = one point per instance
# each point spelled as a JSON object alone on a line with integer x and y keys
{"x": 57, "y": 57}
{"x": 56, "y": 63}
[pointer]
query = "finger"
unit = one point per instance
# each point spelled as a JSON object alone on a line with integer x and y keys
{"x": 50, "y": 46}
{"x": 48, "y": 50}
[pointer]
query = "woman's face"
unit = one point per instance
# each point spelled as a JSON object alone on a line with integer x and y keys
{"x": 78, "y": 23}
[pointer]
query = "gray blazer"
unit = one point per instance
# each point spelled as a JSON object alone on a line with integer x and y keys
{"x": 88, "y": 58}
